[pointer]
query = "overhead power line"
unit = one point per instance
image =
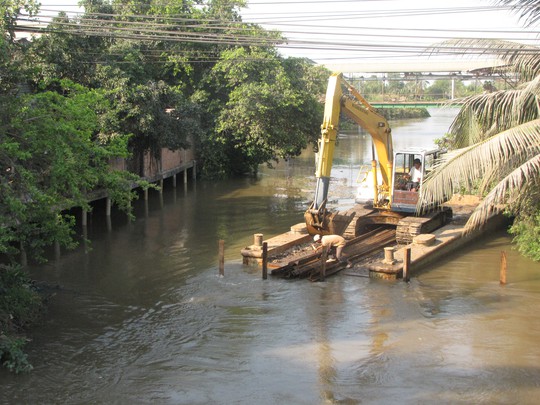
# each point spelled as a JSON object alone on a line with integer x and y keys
{"x": 302, "y": 37}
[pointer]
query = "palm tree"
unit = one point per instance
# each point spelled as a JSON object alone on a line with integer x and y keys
{"x": 496, "y": 137}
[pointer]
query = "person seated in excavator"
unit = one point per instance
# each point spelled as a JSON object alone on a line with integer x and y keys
{"x": 415, "y": 175}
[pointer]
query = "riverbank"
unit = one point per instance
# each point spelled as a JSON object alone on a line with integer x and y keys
{"x": 20, "y": 305}
{"x": 391, "y": 114}
{"x": 404, "y": 113}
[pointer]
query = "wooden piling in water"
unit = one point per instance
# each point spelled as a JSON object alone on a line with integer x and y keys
{"x": 265, "y": 260}
{"x": 84, "y": 217}
{"x": 221, "y": 257}
{"x": 57, "y": 252}
{"x": 108, "y": 205}
{"x": 406, "y": 264}
{"x": 324, "y": 257}
{"x": 502, "y": 274}
{"x": 24, "y": 257}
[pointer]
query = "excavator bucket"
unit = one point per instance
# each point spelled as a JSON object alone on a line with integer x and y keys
{"x": 323, "y": 222}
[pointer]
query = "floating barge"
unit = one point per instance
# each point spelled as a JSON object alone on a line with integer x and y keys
{"x": 373, "y": 254}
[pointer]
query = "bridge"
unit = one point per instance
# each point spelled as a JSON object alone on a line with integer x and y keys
{"x": 427, "y": 68}
{"x": 420, "y": 71}
{"x": 412, "y": 104}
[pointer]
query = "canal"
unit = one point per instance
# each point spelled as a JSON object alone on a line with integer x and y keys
{"x": 140, "y": 315}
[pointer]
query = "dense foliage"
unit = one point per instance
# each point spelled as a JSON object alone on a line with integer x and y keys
{"x": 20, "y": 304}
{"x": 123, "y": 81}
{"x": 261, "y": 108}
{"x": 496, "y": 142}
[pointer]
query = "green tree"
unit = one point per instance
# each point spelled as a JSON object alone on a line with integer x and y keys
{"x": 264, "y": 108}
{"x": 440, "y": 89}
{"x": 11, "y": 52}
{"x": 496, "y": 137}
{"x": 52, "y": 152}
{"x": 156, "y": 115}
{"x": 66, "y": 53}
{"x": 396, "y": 85}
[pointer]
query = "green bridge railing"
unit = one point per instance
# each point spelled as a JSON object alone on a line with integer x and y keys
{"x": 411, "y": 104}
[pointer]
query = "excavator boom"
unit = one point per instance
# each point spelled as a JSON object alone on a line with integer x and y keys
{"x": 341, "y": 97}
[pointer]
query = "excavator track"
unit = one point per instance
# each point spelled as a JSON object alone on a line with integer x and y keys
{"x": 411, "y": 226}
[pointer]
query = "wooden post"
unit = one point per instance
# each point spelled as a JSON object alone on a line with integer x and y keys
{"x": 324, "y": 256}
{"x": 145, "y": 194}
{"x": 265, "y": 260}
{"x": 108, "y": 206}
{"x": 406, "y": 264}
{"x": 221, "y": 257}
{"x": 84, "y": 217}
{"x": 85, "y": 239}
{"x": 161, "y": 186}
{"x": 24, "y": 257}
{"x": 174, "y": 180}
{"x": 194, "y": 171}
{"x": 57, "y": 252}
{"x": 502, "y": 277}
{"x": 185, "y": 176}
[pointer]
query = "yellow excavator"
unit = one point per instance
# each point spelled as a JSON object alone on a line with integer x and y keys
{"x": 394, "y": 196}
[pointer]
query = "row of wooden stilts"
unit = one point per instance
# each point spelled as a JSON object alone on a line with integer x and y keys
{"x": 108, "y": 205}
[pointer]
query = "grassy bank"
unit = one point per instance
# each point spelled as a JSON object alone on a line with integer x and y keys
{"x": 389, "y": 114}
{"x": 404, "y": 113}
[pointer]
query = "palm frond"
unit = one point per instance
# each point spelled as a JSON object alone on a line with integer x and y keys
{"x": 527, "y": 106}
{"x": 488, "y": 113}
{"x": 484, "y": 115}
{"x": 492, "y": 177}
{"x": 518, "y": 58}
{"x": 465, "y": 167}
{"x": 506, "y": 192}
{"x": 465, "y": 129}
{"x": 528, "y": 10}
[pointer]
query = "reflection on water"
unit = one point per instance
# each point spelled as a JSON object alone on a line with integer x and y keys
{"x": 143, "y": 317}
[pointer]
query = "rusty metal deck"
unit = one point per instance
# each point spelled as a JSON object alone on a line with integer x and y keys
{"x": 307, "y": 264}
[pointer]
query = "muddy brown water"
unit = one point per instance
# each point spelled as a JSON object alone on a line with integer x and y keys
{"x": 142, "y": 317}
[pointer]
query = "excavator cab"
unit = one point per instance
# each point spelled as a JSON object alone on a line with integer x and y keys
{"x": 409, "y": 170}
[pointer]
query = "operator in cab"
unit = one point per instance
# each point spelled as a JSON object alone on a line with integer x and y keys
{"x": 415, "y": 175}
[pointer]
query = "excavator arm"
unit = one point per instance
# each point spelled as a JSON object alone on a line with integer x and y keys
{"x": 354, "y": 106}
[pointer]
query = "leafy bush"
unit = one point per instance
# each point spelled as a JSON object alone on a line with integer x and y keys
{"x": 12, "y": 355}
{"x": 20, "y": 304}
{"x": 526, "y": 231}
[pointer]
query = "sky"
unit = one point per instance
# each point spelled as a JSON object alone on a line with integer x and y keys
{"x": 329, "y": 31}
{"x": 382, "y": 29}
